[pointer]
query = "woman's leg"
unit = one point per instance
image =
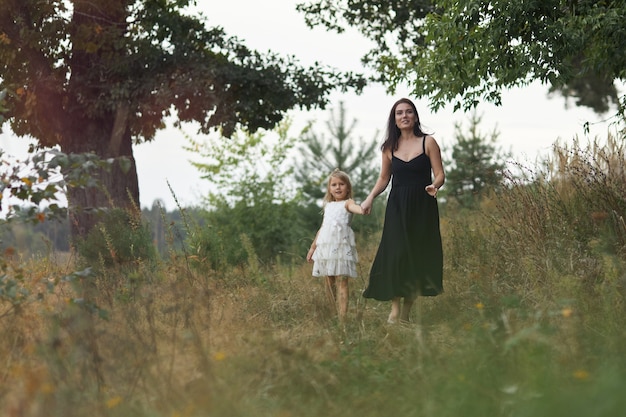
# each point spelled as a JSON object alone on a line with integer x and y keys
{"x": 406, "y": 308}
{"x": 342, "y": 297}
{"x": 395, "y": 310}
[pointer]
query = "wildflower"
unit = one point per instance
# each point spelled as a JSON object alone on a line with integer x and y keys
{"x": 4, "y": 39}
{"x": 47, "y": 388}
{"x": 27, "y": 181}
{"x": 219, "y": 356}
{"x": 114, "y": 401}
{"x": 480, "y": 305}
{"x": 510, "y": 389}
{"x": 599, "y": 216}
{"x": 567, "y": 312}
{"x": 581, "y": 375}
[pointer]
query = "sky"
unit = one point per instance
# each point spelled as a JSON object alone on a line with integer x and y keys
{"x": 528, "y": 121}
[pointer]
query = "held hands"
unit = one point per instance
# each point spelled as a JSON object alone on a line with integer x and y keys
{"x": 367, "y": 206}
{"x": 432, "y": 190}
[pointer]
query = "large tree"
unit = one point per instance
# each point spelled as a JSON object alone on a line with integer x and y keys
{"x": 96, "y": 76}
{"x": 468, "y": 51}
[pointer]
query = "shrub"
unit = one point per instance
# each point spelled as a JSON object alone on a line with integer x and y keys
{"x": 119, "y": 238}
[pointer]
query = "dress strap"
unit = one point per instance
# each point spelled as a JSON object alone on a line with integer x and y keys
{"x": 424, "y": 144}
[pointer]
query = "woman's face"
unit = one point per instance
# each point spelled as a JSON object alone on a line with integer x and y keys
{"x": 405, "y": 116}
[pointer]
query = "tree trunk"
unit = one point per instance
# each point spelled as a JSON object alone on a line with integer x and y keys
{"x": 117, "y": 188}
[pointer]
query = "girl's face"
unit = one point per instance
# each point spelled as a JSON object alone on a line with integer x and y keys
{"x": 338, "y": 188}
{"x": 405, "y": 116}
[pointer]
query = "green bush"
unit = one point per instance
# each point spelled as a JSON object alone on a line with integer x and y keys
{"x": 119, "y": 238}
{"x": 272, "y": 229}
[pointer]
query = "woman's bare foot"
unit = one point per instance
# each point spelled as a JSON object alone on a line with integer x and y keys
{"x": 406, "y": 310}
{"x": 395, "y": 311}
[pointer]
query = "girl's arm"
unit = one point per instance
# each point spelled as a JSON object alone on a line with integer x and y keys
{"x": 383, "y": 180}
{"x": 309, "y": 255}
{"x": 353, "y": 207}
{"x": 434, "y": 154}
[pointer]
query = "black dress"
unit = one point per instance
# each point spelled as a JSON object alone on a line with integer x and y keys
{"x": 409, "y": 260}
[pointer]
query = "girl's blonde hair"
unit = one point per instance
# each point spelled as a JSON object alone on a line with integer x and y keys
{"x": 337, "y": 173}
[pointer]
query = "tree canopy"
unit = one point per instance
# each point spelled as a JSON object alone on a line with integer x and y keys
{"x": 85, "y": 59}
{"x": 97, "y": 76}
{"x": 469, "y": 51}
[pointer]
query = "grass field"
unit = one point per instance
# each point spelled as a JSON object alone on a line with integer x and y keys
{"x": 532, "y": 323}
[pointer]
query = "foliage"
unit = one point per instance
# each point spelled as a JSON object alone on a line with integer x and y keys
{"x": 13, "y": 291}
{"x": 101, "y": 75}
{"x": 564, "y": 222}
{"x": 320, "y": 155}
{"x": 273, "y": 231}
{"x": 152, "y": 56}
{"x": 119, "y": 238}
{"x": 31, "y": 240}
{"x": 476, "y": 165}
{"x": 34, "y": 193}
{"x": 248, "y": 167}
{"x": 35, "y": 189}
{"x": 592, "y": 180}
{"x": 167, "y": 228}
{"x": 254, "y": 196}
{"x": 468, "y": 51}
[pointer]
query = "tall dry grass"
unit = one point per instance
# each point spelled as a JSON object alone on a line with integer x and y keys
{"x": 531, "y": 323}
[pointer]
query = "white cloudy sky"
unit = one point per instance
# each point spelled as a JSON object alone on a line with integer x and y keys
{"x": 528, "y": 121}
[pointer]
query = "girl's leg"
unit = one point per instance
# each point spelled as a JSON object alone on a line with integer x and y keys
{"x": 395, "y": 310}
{"x": 342, "y": 297}
{"x": 331, "y": 292}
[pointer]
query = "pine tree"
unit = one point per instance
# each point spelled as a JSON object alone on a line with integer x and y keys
{"x": 321, "y": 155}
{"x": 477, "y": 163}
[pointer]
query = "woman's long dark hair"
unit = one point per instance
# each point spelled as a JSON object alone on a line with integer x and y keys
{"x": 393, "y": 132}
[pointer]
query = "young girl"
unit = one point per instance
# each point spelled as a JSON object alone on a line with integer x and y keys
{"x": 333, "y": 251}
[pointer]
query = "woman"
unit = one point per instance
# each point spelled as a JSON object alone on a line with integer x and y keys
{"x": 409, "y": 261}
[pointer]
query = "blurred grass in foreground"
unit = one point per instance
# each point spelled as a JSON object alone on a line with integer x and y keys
{"x": 532, "y": 322}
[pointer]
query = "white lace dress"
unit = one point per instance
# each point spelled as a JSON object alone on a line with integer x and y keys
{"x": 335, "y": 254}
